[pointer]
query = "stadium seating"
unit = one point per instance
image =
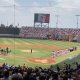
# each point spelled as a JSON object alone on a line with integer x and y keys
{"x": 66, "y": 34}
{"x": 67, "y": 72}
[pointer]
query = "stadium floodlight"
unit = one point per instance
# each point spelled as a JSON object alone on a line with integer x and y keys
{"x": 77, "y": 16}
{"x": 57, "y": 21}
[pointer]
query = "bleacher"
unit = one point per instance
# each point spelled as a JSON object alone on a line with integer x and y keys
{"x": 66, "y": 34}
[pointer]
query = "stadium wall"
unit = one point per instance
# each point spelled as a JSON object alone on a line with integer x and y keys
{"x": 9, "y": 36}
{"x": 9, "y": 32}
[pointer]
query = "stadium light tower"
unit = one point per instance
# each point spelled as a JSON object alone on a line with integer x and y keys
{"x": 77, "y": 16}
{"x": 57, "y": 20}
{"x": 14, "y": 26}
{"x": 7, "y": 23}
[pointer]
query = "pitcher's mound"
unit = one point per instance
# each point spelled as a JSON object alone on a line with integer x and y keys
{"x": 29, "y": 51}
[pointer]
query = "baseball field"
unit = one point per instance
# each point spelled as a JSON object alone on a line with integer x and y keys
{"x": 34, "y": 52}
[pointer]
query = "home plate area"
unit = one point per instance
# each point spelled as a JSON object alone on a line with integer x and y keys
{"x": 42, "y": 60}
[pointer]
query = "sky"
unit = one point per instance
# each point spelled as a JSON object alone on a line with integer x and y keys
{"x": 25, "y": 9}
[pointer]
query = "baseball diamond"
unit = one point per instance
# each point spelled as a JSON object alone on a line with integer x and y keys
{"x": 38, "y": 46}
{"x": 42, "y": 51}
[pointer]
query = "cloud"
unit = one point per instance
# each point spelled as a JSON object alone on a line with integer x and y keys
{"x": 35, "y": 4}
{"x": 8, "y": 2}
{"x": 6, "y": 11}
{"x": 67, "y": 9}
{"x": 70, "y": 4}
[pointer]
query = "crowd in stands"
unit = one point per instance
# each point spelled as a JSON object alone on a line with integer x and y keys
{"x": 31, "y": 32}
{"x": 66, "y": 72}
{"x": 68, "y": 34}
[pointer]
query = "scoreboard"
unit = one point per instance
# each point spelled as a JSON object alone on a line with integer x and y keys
{"x": 41, "y": 18}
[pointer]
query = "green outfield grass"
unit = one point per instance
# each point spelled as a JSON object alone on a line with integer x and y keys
{"x": 41, "y": 53}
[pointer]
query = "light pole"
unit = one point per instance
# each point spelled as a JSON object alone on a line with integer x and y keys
{"x": 77, "y": 16}
{"x": 57, "y": 20}
{"x": 14, "y": 27}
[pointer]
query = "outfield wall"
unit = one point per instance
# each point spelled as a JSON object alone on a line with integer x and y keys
{"x": 9, "y": 36}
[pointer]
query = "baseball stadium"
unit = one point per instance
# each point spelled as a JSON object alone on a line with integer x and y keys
{"x": 40, "y": 51}
{"x": 38, "y": 46}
